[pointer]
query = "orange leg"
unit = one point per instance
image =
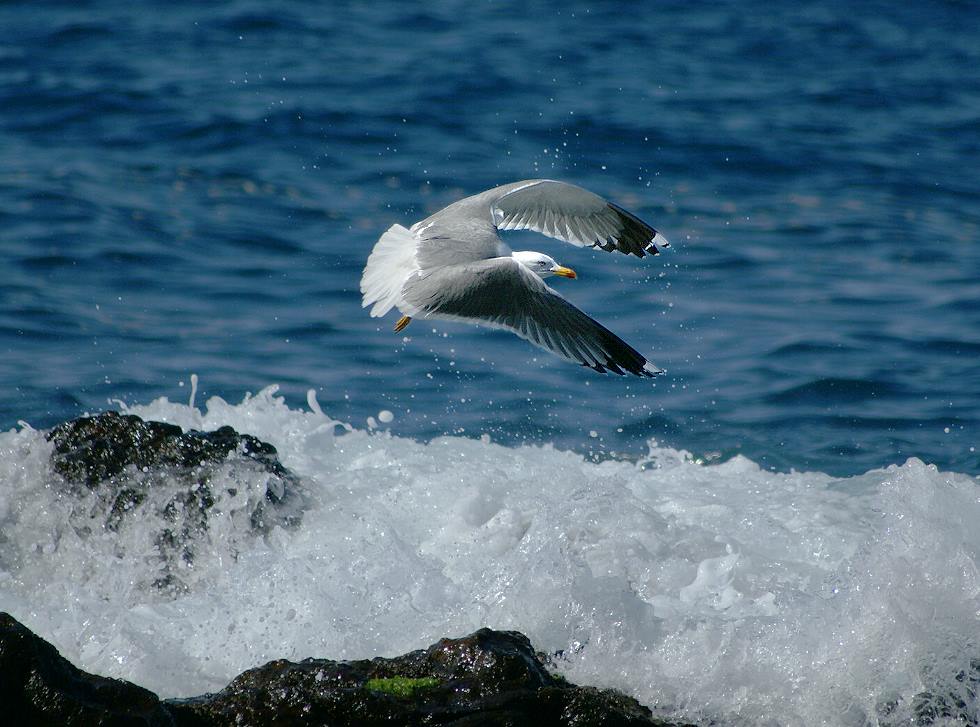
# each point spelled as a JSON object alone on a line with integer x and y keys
{"x": 402, "y": 322}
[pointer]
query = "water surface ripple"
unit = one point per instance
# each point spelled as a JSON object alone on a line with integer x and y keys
{"x": 193, "y": 188}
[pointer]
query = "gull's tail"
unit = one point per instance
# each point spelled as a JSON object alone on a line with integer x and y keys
{"x": 391, "y": 262}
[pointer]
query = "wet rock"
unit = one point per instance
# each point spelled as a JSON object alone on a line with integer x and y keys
{"x": 120, "y": 465}
{"x": 39, "y": 687}
{"x": 489, "y": 678}
{"x": 486, "y": 678}
{"x": 95, "y": 449}
{"x": 955, "y": 704}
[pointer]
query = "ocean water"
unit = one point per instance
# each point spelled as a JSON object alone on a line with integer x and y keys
{"x": 781, "y": 528}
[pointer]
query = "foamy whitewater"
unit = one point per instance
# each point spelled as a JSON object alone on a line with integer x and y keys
{"x": 712, "y": 590}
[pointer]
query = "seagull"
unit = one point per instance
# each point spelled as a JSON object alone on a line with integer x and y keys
{"x": 454, "y": 266}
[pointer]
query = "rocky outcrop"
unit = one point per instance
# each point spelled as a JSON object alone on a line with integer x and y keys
{"x": 126, "y": 464}
{"x": 117, "y": 465}
{"x": 92, "y": 450}
{"x": 489, "y": 678}
{"x": 39, "y": 687}
{"x": 486, "y": 678}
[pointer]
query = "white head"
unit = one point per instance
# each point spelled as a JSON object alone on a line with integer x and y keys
{"x": 542, "y": 265}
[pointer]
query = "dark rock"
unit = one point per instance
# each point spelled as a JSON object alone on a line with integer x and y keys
{"x": 954, "y": 704}
{"x": 127, "y": 464}
{"x": 95, "y": 449}
{"x": 486, "y": 679}
{"x": 39, "y": 687}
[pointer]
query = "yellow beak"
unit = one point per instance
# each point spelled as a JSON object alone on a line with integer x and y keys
{"x": 565, "y": 272}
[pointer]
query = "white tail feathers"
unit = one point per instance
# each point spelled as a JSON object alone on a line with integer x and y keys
{"x": 391, "y": 262}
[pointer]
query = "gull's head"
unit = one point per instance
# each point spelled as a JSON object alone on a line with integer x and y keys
{"x": 542, "y": 265}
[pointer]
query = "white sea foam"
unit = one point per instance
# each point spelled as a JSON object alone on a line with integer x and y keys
{"x": 718, "y": 590}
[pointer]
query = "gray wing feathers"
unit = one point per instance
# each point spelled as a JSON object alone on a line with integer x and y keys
{"x": 501, "y": 293}
{"x": 572, "y": 214}
{"x": 455, "y": 240}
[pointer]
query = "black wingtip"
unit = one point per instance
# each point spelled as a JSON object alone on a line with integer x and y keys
{"x": 648, "y": 371}
{"x": 642, "y": 368}
{"x": 637, "y": 237}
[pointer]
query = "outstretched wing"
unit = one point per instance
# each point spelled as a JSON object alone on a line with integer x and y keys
{"x": 572, "y": 214}
{"x": 500, "y": 292}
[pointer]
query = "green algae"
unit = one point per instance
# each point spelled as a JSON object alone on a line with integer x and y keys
{"x": 401, "y": 686}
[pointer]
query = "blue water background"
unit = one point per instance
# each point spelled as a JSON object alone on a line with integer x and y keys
{"x": 194, "y": 188}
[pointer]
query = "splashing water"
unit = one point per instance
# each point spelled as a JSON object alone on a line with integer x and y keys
{"x": 714, "y": 591}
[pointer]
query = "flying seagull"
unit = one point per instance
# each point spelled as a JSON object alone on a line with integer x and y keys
{"x": 453, "y": 265}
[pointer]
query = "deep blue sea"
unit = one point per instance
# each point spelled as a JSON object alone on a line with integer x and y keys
{"x": 780, "y": 530}
{"x": 194, "y": 188}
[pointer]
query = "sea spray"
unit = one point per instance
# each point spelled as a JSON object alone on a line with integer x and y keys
{"x": 718, "y": 591}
